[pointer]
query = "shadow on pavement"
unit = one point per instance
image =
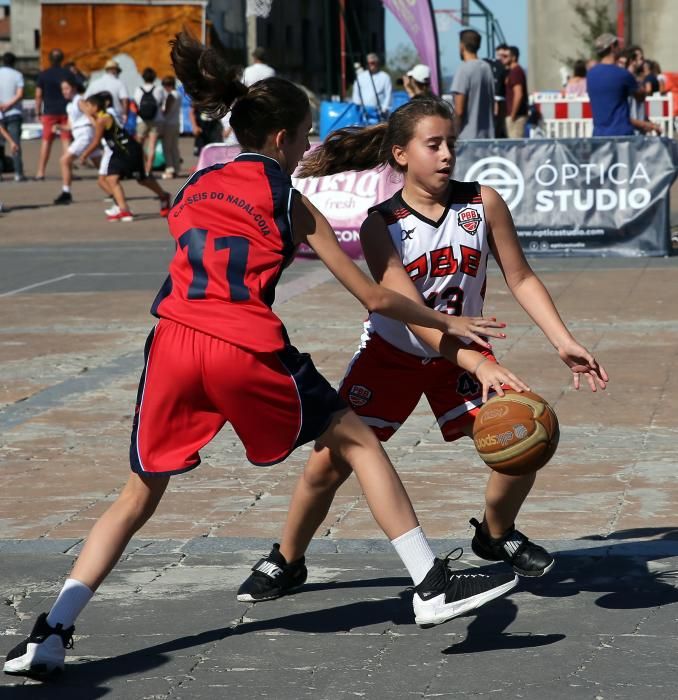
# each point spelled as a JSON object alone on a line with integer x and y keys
{"x": 619, "y": 570}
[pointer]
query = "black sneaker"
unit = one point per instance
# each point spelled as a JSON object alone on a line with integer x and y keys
{"x": 64, "y": 198}
{"x": 445, "y": 594}
{"x": 273, "y": 577}
{"x": 526, "y": 558}
{"x": 42, "y": 653}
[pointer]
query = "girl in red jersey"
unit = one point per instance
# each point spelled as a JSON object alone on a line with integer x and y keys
{"x": 219, "y": 353}
{"x": 429, "y": 242}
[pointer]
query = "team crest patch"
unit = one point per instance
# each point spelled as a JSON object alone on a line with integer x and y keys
{"x": 469, "y": 219}
{"x": 359, "y": 395}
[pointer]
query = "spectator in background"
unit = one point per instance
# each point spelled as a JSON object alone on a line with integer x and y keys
{"x": 110, "y": 82}
{"x": 259, "y": 69}
{"x": 11, "y": 116}
{"x": 149, "y": 99}
{"x": 609, "y": 89}
{"x": 50, "y": 107}
{"x": 473, "y": 91}
{"x": 417, "y": 81}
{"x": 205, "y": 129}
{"x": 499, "y": 73}
{"x": 372, "y": 87}
{"x": 516, "y": 96}
{"x": 650, "y": 77}
{"x": 171, "y": 111}
{"x": 79, "y": 77}
{"x": 576, "y": 83}
{"x": 635, "y": 58}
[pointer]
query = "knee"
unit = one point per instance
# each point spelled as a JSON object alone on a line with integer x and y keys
{"x": 325, "y": 472}
{"x": 139, "y": 504}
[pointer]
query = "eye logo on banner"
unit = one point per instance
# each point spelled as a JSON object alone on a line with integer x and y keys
{"x": 501, "y": 174}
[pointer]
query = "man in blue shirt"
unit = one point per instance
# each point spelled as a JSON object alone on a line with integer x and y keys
{"x": 609, "y": 88}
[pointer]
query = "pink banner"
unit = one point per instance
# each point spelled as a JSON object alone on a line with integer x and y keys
{"x": 418, "y": 20}
{"x": 343, "y": 198}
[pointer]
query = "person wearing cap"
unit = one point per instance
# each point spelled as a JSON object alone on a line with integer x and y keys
{"x": 110, "y": 82}
{"x": 372, "y": 87}
{"x": 417, "y": 82}
{"x": 473, "y": 91}
{"x": 609, "y": 88}
{"x": 259, "y": 69}
{"x": 50, "y": 107}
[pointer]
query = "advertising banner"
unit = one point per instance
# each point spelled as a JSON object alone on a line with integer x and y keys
{"x": 597, "y": 196}
{"x": 606, "y": 196}
{"x": 418, "y": 20}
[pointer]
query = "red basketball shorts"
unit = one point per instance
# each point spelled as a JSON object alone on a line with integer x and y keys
{"x": 383, "y": 385}
{"x": 193, "y": 383}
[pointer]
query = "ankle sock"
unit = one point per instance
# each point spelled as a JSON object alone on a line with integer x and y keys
{"x": 66, "y": 189}
{"x": 71, "y": 602}
{"x": 415, "y": 552}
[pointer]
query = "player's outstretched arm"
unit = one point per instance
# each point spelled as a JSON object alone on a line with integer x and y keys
{"x": 311, "y": 227}
{"x": 532, "y": 295}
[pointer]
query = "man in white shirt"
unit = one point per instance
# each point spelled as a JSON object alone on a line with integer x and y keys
{"x": 259, "y": 70}
{"x": 110, "y": 82}
{"x": 373, "y": 87}
{"x": 11, "y": 116}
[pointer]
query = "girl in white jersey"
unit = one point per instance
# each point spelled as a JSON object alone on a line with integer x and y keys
{"x": 430, "y": 242}
{"x": 82, "y": 133}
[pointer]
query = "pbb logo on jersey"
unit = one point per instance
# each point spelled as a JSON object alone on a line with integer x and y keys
{"x": 359, "y": 395}
{"x": 469, "y": 219}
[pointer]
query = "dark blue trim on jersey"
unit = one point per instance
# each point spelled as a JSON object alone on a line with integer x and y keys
{"x": 283, "y": 196}
{"x": 162, "y": 294}
{"x": 319, "y": 400}
{"x": 194, "y": 178}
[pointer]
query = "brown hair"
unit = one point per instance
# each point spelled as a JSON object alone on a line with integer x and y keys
{"x": 358, "y": 148}
{"x": 268, "y": 106}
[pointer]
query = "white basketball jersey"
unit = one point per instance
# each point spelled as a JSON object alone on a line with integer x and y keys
{"x": 79, "y": 120}
{"x": 446, "y": 260}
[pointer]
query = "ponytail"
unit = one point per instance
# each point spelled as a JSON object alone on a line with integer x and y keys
{"x": 212, "y": 84}
{"x": 363, "y": 148}
{"x": 352, "y": 148}
{"x": 266, "y": 107}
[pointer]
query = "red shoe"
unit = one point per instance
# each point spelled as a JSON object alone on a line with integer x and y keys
{"x": 125, "y": 216}
{"x": 165, "y": 204}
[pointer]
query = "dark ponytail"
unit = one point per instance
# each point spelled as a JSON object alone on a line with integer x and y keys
{"x": 362, "y": 148}
{"x": 212, "y": 84}
{"x": 268, "y": 106}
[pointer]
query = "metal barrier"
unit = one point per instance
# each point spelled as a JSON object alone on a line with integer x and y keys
{"x": 570, "y": 117}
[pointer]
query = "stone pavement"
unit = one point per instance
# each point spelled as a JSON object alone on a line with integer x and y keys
{"x": 74, "y": 299}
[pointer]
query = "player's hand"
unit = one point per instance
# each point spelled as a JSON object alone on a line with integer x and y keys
{"x": 14, "y": 148}
{"x": 492, "y": 375}
{"x": 473, "y": 327}
{"x": 83, "y": 160}
{"x": 582, "y": 362}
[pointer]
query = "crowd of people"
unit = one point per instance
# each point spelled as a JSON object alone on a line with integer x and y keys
{"x": 99, "y": 124}
{"x": 490, "y": 96}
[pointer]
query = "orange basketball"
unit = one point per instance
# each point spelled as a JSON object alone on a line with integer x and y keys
{"x": 516, "y": 433}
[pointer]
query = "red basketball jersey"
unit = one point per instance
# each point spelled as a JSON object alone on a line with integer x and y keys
{"x": 231, "y": 224}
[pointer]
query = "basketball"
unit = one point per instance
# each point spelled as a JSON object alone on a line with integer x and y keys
{"x": 516, "y": 433}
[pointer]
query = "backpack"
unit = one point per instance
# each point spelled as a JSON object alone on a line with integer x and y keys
{"x": 148, "y": 105}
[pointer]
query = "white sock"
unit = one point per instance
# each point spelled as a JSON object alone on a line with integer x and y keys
{"x": 71, "y": 602}
{"x": 66, "y": 189}
{"x": 415, "y": 552}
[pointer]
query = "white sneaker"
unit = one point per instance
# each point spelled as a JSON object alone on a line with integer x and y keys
{"x": 112, "y": 211}
{"x": 444, "y": 594}
{"x": 42, "y": 653}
